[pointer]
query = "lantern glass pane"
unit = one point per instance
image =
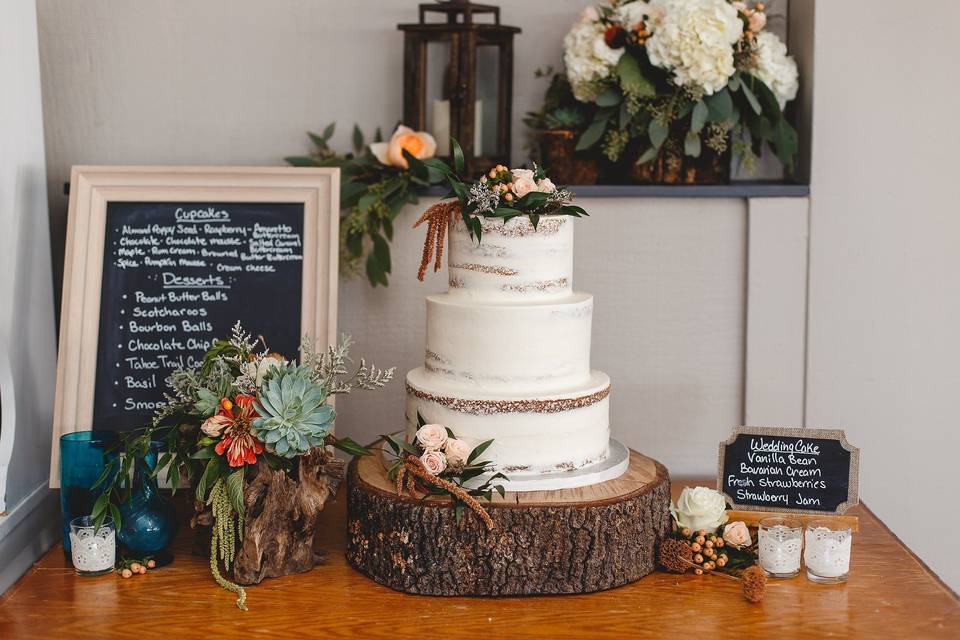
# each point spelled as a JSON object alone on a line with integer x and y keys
{"x": 488, "y": 95}
{"x": 437, "y": 86}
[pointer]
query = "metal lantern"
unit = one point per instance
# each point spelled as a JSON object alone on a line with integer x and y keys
{"x": 458, "y": 80}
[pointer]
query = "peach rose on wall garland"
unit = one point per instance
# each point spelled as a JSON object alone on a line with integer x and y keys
{"x": 420, "y": 144}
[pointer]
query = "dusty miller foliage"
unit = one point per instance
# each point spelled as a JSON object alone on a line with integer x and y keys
{"x": 331, "y": 369}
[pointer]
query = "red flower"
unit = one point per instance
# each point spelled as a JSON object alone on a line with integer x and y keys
{"x": 238, "y": 442}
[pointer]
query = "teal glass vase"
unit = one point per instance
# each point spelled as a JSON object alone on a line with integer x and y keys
{"x": 148, "y": 519}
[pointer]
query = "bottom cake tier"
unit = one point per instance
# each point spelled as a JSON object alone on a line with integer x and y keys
{"x": 533, "y": 437}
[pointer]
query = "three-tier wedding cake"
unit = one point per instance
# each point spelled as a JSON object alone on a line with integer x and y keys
{"x": 508, "y": 357}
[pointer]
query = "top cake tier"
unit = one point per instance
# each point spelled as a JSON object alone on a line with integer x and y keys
{"x": 513, "y": 261}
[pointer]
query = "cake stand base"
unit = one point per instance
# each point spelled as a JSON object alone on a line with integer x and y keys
{"x": 577, "y": 540}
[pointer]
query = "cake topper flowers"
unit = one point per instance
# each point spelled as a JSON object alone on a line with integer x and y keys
{"x": 436, "y": 462}
{"x": 501, "y": 192}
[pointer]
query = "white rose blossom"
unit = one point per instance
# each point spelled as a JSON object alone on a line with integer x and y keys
{"x": 699, "y": 508}
{"x": 457, "y": 452}
{"x": 523, "y": 182}
{"x": 432, "y": 436}
{"x": 587, "y": 58}
{"x": 771, "y": 64}
{"x": 546, "y": 186}
{"x": 694, "y": 40}
{"x": 434, "y": 462}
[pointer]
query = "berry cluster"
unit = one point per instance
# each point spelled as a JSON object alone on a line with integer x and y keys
{"x": 707, "y": 549}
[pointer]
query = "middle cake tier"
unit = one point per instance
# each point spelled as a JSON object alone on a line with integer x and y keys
{"x": 510, "y": 346}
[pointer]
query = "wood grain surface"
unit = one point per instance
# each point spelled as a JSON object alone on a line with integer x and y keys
{"x": 890, "y": 595}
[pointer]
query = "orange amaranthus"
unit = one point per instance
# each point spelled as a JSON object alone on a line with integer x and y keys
{"x": 232, "y": 423}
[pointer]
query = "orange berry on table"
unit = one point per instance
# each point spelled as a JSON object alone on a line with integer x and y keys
{"x": 695, "y": 547}
{"x": 143, "y": 570}
{"x": 701, "y": 532}
{"x": 126, "y": 573}
{"x": 135, "y": 567}
{"x": 719, "y": 542}
{"x": 708, "y": 544}
{"x": 721, "y": 561}
{"x": 700, "y": 539}
{"x": 699, "y": 572}
{"x": 685, "y": 533}
{"x": 698, "y": 559}
{"x": 151, "y": 563}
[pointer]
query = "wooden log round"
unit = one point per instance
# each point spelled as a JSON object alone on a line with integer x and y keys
{"x": 544, "y": 542}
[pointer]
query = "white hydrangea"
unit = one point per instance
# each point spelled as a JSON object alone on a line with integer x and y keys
{"x": 771, "y": 64}
{"x": 633, "y": 13}
{"x": 694, "y": 40}
{"x": 587, "y": 58}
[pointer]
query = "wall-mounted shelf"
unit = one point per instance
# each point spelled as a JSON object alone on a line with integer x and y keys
{"x": 735, "y": 190}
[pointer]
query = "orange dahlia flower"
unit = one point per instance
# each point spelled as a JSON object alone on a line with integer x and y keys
{"x": 233, "y": 420}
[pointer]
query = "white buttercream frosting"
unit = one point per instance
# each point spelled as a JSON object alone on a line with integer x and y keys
{"x": 533, "y": 347}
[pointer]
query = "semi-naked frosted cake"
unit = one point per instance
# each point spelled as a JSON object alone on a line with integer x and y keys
{"x": 508, "y": 353}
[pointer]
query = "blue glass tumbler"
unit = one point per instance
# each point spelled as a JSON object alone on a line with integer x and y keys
{"x": 83, "y": 457}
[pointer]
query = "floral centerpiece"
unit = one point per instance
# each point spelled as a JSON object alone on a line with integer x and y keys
{"x": 501, "y": 193}
{"x": 437, "y": 463}
{"x": 673, "y": 81}
{"x": 704, "y": 541}
{"x": 377, "y": 180}
{"x": 245, "y": 412}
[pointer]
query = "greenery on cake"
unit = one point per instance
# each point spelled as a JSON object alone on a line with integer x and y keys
{"x": 437, "y": 463}
{"x": 502, "y": 192}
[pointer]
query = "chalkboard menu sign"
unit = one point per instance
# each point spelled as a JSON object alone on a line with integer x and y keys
{"x": 176, "y": 276}
{"x": 787, "y": 469}
{"x": 161, "y": 261}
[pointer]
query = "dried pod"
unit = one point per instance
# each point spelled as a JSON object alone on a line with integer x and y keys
{"x": 675, "y": 556}
{"x": 754, "y": 584}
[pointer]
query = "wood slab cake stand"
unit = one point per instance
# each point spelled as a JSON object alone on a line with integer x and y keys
{"x": 543, "y": 542}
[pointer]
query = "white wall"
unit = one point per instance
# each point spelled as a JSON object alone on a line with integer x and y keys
{"x": 27, "y": 350}
{"x": 884, "y": 339}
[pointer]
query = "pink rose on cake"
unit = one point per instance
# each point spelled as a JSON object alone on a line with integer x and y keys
{"x": 457, "y": 452}
{"x": 432, "y": 436}
{"x": 523, "y": 182}
{"x": 434, "y": 462}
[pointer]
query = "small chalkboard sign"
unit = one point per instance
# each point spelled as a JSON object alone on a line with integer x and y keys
{"x": 161, "y": 261}
{"x": 789, "y": 469}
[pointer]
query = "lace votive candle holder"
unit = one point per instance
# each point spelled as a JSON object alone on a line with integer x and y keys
{"x": 780, "y": 543}
{"x": 93, "y": 549}
{"x": 827, "y": 551}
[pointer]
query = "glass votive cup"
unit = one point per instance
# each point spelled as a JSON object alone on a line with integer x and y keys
{"x": 780, "y": 541}
{"x": 827, "y": 551}
{"x": 93, "y": 549}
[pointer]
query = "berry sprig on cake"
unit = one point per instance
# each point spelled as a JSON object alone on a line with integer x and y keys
{"x": 502, "y": 193}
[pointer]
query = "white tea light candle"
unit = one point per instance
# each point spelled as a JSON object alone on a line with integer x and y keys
{"x": 780, "y": 543}
{"x": 93, "y": 550}
{"x": 827, "y": 553}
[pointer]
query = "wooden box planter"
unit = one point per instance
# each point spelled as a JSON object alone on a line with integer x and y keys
{"x": 566, "y": 165}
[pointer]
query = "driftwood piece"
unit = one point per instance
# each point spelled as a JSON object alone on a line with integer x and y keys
{"x": 545, "y": 542}
{"x": 282, "y": 517}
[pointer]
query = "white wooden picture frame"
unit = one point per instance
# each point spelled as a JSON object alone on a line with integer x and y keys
{"x": 94, "y": 187}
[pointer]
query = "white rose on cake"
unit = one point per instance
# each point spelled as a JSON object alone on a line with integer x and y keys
{"x": 457, "y": 452}
{"x": 546, "y": 186}
{"x": 771, "y": 64}
{"x": 694, "y": 40}
{"x": 699, "y": 508}
{"x": 432, "y": 436}
{"x": 434, "y": 462}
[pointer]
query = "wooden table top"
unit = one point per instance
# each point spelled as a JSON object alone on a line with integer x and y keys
{"x": 890, "y": 594}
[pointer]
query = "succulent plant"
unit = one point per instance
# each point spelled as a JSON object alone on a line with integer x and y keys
{"x": 564, "y": 118}
{"x": 294, "y": 416}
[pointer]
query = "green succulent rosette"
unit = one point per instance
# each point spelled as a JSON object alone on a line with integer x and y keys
{"x": 293, "y": 414}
